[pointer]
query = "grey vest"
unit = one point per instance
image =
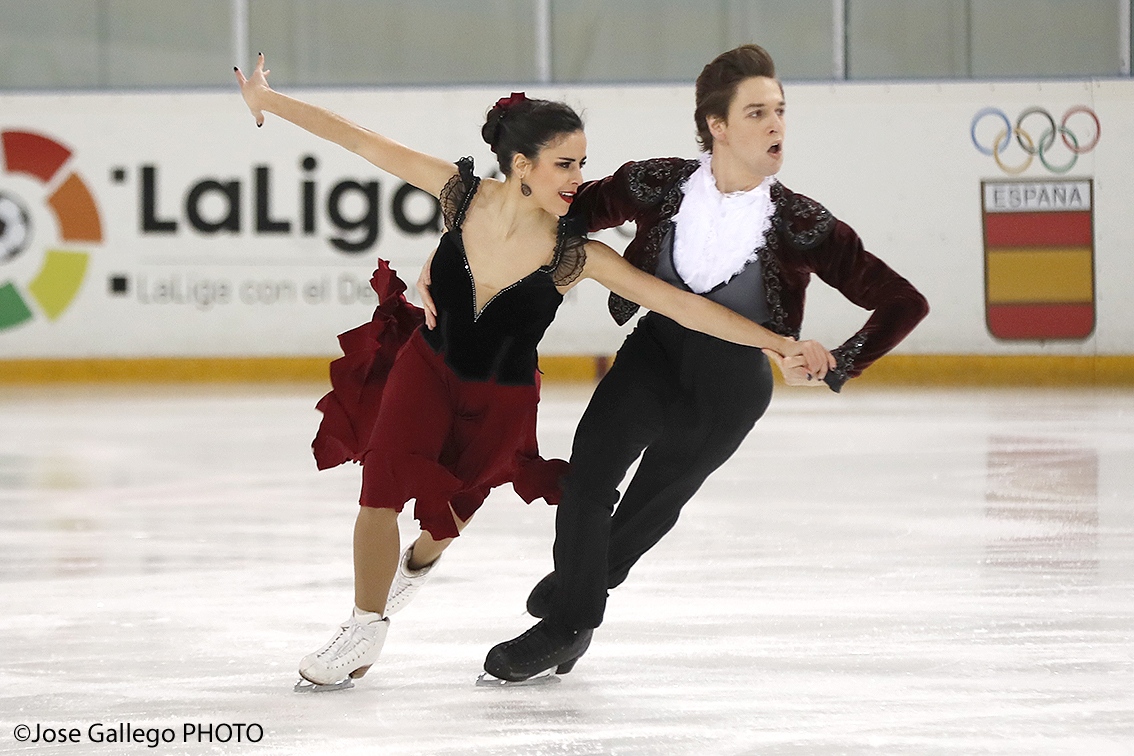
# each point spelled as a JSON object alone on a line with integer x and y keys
{"x": 743, "y": 293}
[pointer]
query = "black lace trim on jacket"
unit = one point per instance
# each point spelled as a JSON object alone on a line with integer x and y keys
{"x": 458, "y": 193}
{"x": 621, "y": 308}
{"x": 805, "y": 223}
{"x": 647, "y": 184}
{"x": 770, "y": 262}
{"x": 844, "y": 355}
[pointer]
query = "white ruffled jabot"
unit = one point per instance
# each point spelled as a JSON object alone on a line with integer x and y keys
{"x": 717, "y": 234}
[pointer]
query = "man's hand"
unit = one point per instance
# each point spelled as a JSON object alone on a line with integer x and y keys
{"x": 815, "y": 358}
{"x": 794, "y": 370}
{"x": 423, "y": 282}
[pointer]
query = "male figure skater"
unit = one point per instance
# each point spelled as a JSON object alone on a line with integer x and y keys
{"x": 723, "y": 227}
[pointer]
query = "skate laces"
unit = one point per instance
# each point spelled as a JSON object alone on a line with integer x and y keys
{"x": 407, "y": 582}
{"x": 353, "y": 636}
{"x": 545, "y": 638}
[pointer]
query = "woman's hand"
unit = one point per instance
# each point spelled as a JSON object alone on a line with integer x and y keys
{"x": 793, "y": 370}
{"x": 810, "y": 356}
{"x": 428, "y": 173}
{"x": 253, "y": 89}
{"x": 423, "y": 282}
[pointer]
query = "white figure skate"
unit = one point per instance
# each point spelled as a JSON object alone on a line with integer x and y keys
{"x": 407, "y": 582}
{"x": 347, "y": 656}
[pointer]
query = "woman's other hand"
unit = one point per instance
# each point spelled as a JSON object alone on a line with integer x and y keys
{"x": 253, "y": 88}
{"x": 423, "y": 282}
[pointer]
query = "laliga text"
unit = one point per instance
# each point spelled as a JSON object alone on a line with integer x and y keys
{"x": 100, "y": 733}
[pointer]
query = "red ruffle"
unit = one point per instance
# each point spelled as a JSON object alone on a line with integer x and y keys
{"x": 539, "y": 478}
{"x": 489, "y": 441}
{"x": 358, "y": 378}
{"x": 389, "y": 481}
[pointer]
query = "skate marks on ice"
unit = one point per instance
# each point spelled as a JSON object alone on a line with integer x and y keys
{"x": 957, "y": 576}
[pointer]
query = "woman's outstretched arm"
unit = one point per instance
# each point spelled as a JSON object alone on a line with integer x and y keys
{"x": 692, "y": 311}
{"x": 426, "y": 172}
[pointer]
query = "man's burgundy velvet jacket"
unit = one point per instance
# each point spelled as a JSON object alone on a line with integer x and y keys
{"x": 804, "y": 238}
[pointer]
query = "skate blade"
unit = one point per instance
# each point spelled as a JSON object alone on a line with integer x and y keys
{"x": 306, "y": 686}
{"x": 547, "y": 677}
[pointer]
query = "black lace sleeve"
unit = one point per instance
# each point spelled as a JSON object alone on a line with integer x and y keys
{"x": 571, "y": 254}
{"x": 845, "y": 356}
{"x": 458, "y": 192}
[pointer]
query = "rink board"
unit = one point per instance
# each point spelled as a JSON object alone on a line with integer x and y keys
{"x": 164, "y": 225}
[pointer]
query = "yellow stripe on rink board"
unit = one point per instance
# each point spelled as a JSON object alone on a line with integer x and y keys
{"x": 938, "y": 370}
{"x": 976, "y": 370}
{"x": 168, "y": 370}
{"x": 235, "y": 370}
{"x": 560, "y": 367}
{"x": 1040, "y": 275}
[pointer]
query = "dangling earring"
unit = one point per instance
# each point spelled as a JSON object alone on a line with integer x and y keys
{"x": 525, "y": 189}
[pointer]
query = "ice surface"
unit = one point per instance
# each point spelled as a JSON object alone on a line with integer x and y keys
{"x": 921, "y": 572}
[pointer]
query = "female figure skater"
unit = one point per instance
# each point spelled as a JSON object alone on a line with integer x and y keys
{"x": 444, "y": 414}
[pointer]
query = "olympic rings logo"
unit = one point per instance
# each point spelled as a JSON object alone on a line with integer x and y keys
{"x": 1031, "y": 146}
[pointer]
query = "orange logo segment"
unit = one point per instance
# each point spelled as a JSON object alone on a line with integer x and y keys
{"x": 75, "y": 209}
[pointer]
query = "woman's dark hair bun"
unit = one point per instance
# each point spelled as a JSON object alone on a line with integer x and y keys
{"x": 490, "y": 131}
{"x": 518, "y": 125}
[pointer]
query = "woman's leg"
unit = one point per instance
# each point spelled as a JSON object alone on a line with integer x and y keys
{"x": 358, "y": 642}
{"x": 400, "y": 464}
{"x": 408, "y": 436}
{"x": 426, "y": 550}
{"x": 376, "y": 548}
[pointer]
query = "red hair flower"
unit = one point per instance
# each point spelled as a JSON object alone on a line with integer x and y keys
{"x": 505, "y": 103}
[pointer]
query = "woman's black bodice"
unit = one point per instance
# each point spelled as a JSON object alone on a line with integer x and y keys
{"x": 498, "y": 341}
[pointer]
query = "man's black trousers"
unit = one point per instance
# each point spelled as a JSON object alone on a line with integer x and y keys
{"x": 682, "y": 400}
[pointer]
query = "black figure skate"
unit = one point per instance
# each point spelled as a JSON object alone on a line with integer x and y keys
{"x": 544, "y": 649}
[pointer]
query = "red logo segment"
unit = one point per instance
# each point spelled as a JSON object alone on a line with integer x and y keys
{"x": 33, "y": 154}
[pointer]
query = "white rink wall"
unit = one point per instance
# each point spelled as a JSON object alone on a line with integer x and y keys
{"x": 218, "y": 239}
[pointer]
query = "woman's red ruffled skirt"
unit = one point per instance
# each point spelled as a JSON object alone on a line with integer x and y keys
{"x": 419, "y": 431}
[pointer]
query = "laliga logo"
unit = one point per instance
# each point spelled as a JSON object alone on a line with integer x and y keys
{"x": 991, "y": 121}
{"x": 69, "y": 201}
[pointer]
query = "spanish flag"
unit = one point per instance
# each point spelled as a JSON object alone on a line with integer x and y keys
{"x": 1039, "y": 259}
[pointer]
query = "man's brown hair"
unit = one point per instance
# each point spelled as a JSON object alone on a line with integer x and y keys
{"x": 716, "y": 86}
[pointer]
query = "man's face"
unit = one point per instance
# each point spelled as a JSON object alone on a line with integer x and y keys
{"x": 753, "y": 132}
